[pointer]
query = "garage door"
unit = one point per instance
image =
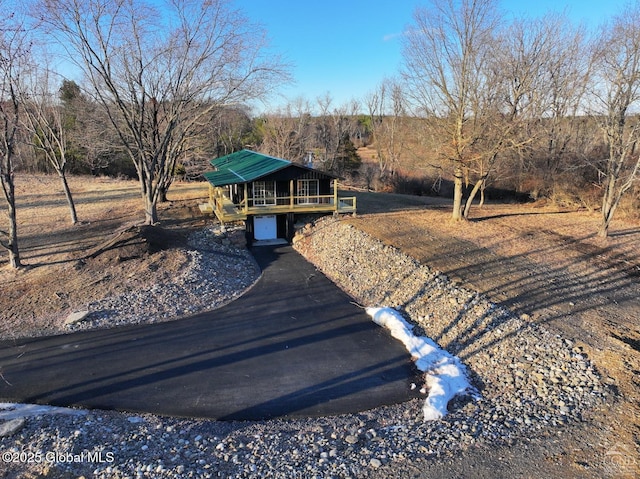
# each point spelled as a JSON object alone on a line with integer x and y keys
{"x": 265, "y": 227}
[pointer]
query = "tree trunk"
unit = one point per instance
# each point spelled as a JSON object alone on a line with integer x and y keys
{"x": 148, "y": 192}
{"x": 603, "y": 231}
{"x": 12, "y": 241}
{"x": 474, "y": 191}
{"x": 163, "y": 195}
{"x": 150, "y": 210}
{"x": 14, "y": 251}
{"x": 609, "y": 205}
{"x": 163, "y": 187}
{"x": 457, "y": 193}
{"x": 67, "y": 194}
{"x": 149, "y": 199}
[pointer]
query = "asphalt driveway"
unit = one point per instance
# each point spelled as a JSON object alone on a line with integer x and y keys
{"x": 292, "y": 346}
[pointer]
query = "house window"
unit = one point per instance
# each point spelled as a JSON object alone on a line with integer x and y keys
{"x": 264, "y": 193}
{"x": 308, "y": 191}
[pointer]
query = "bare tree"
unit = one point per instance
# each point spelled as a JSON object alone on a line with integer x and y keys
{"x": 516, "y": 75}
{"x": 326, "y": 136}
{"x": 44, "y": 121}
{"x": 388, "y": 117}
{"x": 567, "y": 73}
{"x": 287, "y": 132}
{"x": 14, "y": 60}
{"x": 158, "y": 73}
{"x": 616, "y": 94}
{"x": 446, "y": 54}
{"x": 483, "y": 84}
{"x": 334, "y": 125}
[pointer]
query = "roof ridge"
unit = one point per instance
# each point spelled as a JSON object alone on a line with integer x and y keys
{"x": 237, "y": 174}
{"x": 265, "y": 155}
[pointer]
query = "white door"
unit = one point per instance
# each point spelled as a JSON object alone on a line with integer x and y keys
{"x": 265, "y": 227}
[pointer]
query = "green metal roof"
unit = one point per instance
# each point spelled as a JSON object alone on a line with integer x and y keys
{"x": 243, "y": 167}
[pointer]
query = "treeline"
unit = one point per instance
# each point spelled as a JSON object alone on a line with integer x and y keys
{"x": 396, "y": 150}
{"x": 388, "y": 148}
{"x": 329, "y": 142}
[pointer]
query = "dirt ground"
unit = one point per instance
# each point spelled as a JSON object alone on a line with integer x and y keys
{"x": 543, "y": 262}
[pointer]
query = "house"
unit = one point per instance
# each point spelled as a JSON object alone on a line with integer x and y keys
{"x": 268, "y": 193}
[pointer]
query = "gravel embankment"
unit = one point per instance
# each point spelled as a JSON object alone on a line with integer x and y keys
{"x": 526, "y": 374}
{"x": 217, "y": 272}
{"x": 530, "y": 380}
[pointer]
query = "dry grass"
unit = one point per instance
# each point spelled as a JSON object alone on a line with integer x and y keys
{"x": 58, "y": 278}
{"x": 103, "y": 204}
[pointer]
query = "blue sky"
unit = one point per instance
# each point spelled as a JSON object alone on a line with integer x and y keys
{"x": 347, "y": 47}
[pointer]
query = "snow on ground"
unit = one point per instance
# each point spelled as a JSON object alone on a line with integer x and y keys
{"x": 9, "y": 411}
{"x": 445, "y": 375}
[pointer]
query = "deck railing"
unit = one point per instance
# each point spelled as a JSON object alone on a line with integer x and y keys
{"x": 226, "y": 210}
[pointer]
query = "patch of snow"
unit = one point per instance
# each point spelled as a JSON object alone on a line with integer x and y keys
{"x": 76, "y": 317}
{"x": 445, "y": 375}
{"x": 9, "y": 411}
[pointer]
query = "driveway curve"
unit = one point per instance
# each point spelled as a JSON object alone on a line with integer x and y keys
{"x": 292, "y": 346}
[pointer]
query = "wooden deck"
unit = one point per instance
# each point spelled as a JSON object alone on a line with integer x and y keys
{"x": 227, "y": 211}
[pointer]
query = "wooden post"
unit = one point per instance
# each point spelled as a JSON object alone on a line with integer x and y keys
{"x": 246, "y": 197}
{"x": 290, "y": 226}
{"x": 291, "y": 194}
{"x": 335, "y": 194}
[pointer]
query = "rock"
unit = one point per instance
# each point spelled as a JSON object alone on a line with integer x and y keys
{"x": 76, "y": 317}
{"x": 9, "y": 428}
{"x": 350, "y": 439}
{"x": 375, "y": 463}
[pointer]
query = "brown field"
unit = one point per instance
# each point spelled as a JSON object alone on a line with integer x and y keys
{"x": 544, "y": 263}
{"x": 59, "y": 277}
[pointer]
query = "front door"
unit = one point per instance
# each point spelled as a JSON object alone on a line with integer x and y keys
{"x": 265, "y": 227}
